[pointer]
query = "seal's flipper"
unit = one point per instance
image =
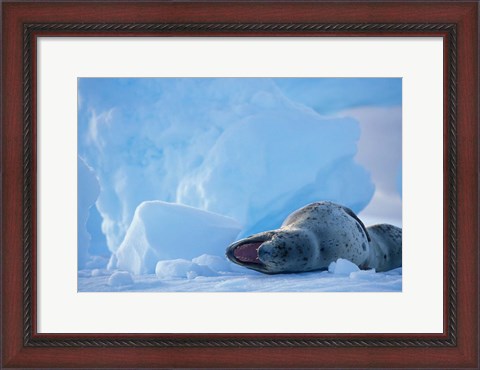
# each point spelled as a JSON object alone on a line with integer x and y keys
{"x": 352, "y": 214}
{"x": 386, "y": 247}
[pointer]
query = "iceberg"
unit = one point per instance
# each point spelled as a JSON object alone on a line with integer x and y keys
{"x": 238, "y": 147}
{"x": 88, "y": 191}
{"x": 266, "y": 166}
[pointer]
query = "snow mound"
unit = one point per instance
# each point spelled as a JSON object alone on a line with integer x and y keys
{"x": 97, "y": 272}
{"x": 164, "y": 231}
{"x": 343, "y": 267}
{"x": 215, "y": 263}
{"x": 120, "y": 279}
{"x": 181, "y": 268}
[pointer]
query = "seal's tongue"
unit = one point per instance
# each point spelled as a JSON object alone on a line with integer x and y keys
{"x": 247, "y": 252}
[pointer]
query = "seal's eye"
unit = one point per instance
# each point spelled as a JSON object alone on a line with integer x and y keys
{"x": 247, "y": 252}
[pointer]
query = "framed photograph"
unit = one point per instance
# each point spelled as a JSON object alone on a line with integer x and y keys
{"x": 240, "y": 185}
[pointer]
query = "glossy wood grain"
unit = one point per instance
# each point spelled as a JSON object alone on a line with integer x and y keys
{"x": 463, "y": 355}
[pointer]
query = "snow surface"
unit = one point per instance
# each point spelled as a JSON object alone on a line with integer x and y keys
{"x": 186, "y": 276}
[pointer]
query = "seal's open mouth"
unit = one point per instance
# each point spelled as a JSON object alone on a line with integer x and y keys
{"x": 248, "y": 252}
{"x": 244, "y": 252}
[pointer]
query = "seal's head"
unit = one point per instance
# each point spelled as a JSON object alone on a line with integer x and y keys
{"x": 277, "y": 251}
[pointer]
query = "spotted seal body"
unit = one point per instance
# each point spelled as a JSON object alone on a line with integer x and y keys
{"x": 316, "y": 235}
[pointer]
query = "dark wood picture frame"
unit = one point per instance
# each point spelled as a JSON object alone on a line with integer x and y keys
{"x": 23, "y": 22}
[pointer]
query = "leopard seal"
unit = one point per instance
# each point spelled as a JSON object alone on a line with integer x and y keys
{"x": 314, "y": 236}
